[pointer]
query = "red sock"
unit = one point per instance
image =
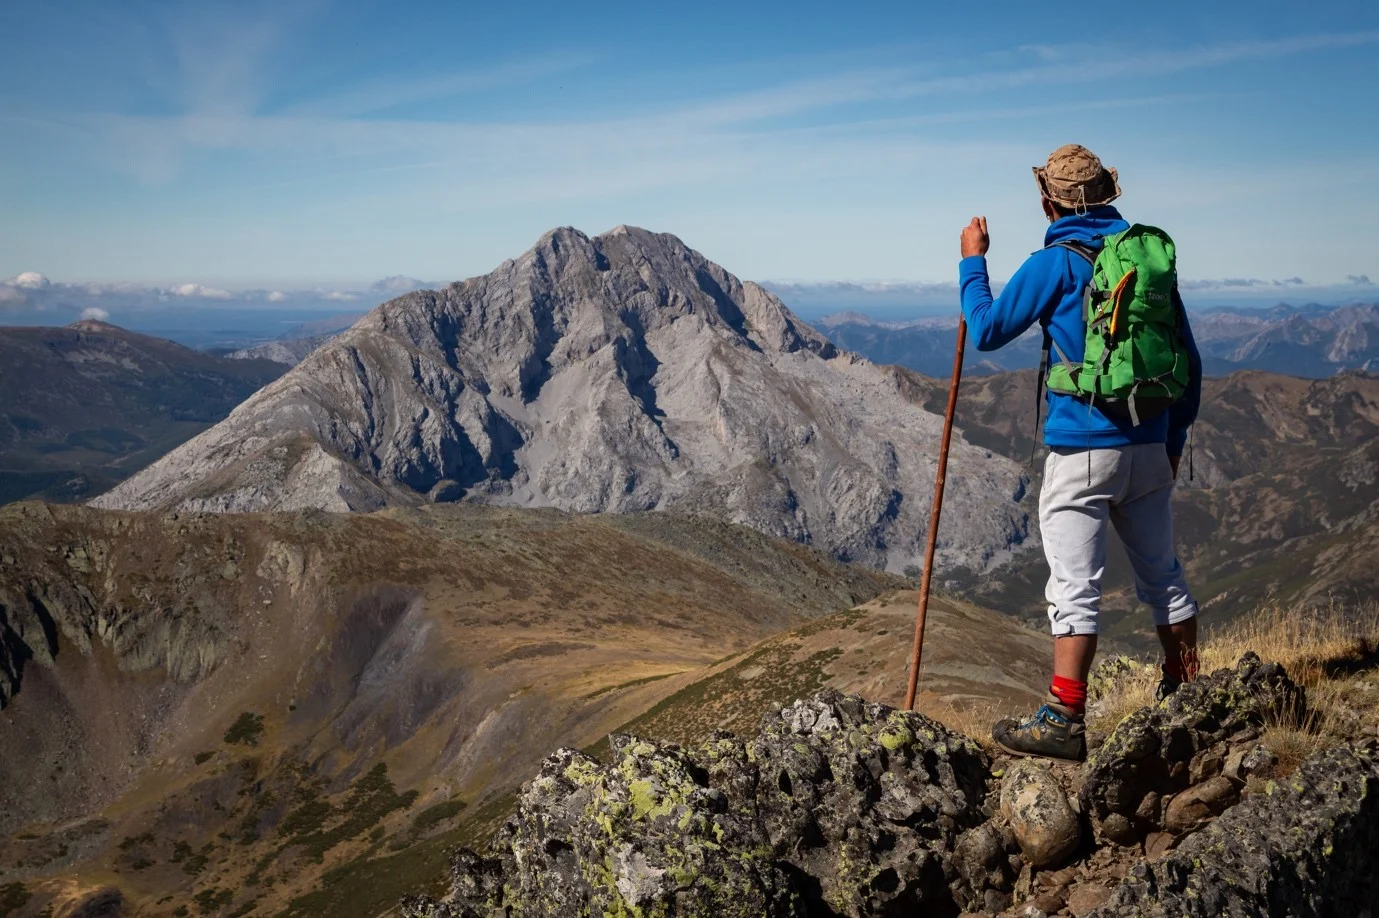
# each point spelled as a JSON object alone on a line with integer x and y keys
{"x": 1183, "y": 667}
{"x": 1070, "y": 693}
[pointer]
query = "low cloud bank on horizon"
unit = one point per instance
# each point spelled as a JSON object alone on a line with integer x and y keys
{"x": 34, "y": 292}
{"x": 33, "y": 298}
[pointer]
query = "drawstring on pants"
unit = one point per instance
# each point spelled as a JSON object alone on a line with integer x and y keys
{"x": 1089, "y": 441}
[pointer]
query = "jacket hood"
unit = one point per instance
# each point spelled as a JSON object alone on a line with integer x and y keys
{"x": 1096, "y": 223}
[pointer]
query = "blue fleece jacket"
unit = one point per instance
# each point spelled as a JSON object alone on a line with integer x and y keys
{"x": 1048, "y": 289}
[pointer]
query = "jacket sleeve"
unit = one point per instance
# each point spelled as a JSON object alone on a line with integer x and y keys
{"x": 1184, "y": 411}
{"x": 1040, "y": 284}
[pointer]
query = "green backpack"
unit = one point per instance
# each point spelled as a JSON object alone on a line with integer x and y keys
{"x": 1135, "y": 361}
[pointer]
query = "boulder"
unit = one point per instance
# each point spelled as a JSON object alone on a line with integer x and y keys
{"x": 836, "y": 807}
{"x": 984, "y": 858}
{"x": 1040, "y": 815}
{"x": 1194, "y": 807}
{"x": 1161, "y": 749}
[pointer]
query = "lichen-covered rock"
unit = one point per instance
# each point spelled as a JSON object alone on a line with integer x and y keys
{"x": 1304, "y": 847}
{"x": 866, "y": 800}
{"x": 1248, "y": 759}
{"x": 1109, "y": 673}
{"x": 985, "y": 858}
{"x": 476, "y": 884}
{"x": 1040, "y": 815}
{"x": 836, "y": 807}
{"x": 1160, "y": 750}
{"x": 842, "y": 808}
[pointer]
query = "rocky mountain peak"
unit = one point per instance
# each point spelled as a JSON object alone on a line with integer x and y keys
{"x": 618, "y": 372}
{"x": 94, "y": 326}
{"x": 625, "y": 283}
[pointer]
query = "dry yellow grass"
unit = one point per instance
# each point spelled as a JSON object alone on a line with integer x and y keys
{"x": 1331, "y": 651}
{"x": 972, "y": 719}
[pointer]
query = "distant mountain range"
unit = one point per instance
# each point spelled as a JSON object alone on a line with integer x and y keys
{"x": 289, "y": 351}
{"x": 290, "y": 348}
{"x": 1311, "y": 341}
{"x": 616, "y": 373}
{"x": 82, "y": 407}
{"x": 1279, "y": 501}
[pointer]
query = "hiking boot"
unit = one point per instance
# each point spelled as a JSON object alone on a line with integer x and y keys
{"x": 1167, "y": 686}
{"x": 1054, "y": 732}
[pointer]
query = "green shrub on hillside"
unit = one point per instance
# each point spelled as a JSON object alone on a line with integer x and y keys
{"x": 438, "y": 813}
{"x": 13, "y": 897}
{"x": 213, "y": 900}
{"x": 372, "y": 797}
{"x": 248, "y": 729}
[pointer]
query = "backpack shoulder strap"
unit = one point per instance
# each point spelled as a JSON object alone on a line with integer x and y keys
{"x": 1088, "y": 252}
{"x": 1081, "y": 248}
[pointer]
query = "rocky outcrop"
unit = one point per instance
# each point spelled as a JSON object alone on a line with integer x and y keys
{"x": 837, "y": 807}
{"x": 1304, "y": 847}
{"x": 64, "y": 588}
{"x": 619, "y": 373}
{"x": 1161, "y": 769}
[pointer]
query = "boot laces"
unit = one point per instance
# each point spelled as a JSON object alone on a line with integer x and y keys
{"x": 1045, "y": 714}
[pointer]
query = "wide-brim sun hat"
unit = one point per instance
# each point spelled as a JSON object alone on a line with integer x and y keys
{"x": 1074, "y": 177}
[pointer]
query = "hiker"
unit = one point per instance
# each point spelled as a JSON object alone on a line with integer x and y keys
{"x": 1115, "y": 433}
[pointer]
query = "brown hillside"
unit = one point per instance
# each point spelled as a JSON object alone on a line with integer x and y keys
{"x": 84, "y": 406}
{"x": 203, "y": 707}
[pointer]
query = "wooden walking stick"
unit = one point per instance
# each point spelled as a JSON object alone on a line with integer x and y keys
{"x": 939, "y": 477}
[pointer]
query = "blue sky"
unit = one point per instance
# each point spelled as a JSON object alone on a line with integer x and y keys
{"x": 321, "y": 142}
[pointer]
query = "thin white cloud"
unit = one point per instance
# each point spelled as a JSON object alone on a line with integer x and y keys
{"x": 95, "y": 313}
{"x": 1109, "y": 62}
{"x": 339, "y": 296}
{"x": 275, "y": 296}
{"x": 200, "y": 291}
{"x": 380, "y": 95}
{"x": 867, "y": 286}
{"x": 223, "y": 53}
{"x": 892, "y": 83}
{"x": 655, "y": 149}
{"x": 117, "y": 288}
{"x": 430, "y": 167}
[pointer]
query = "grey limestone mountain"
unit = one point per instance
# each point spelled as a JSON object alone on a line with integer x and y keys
{"x": 287, "y": 351}
{"x": 618, "y": 373}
